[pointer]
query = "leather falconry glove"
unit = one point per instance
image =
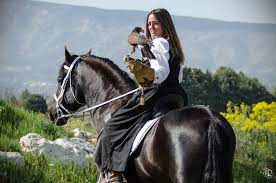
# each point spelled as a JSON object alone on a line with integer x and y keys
{"x": 143, "y": 73}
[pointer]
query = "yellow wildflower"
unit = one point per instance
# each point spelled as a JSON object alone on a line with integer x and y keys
{"x": 270, "y": 126}
{"x": 249, "y": 125}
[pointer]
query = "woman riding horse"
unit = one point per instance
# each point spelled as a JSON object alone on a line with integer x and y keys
{"x": 191, "y": 144}
{"x": 161, "y": 77}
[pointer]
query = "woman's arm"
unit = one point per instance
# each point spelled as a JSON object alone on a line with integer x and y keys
{"x": 160, "y": 65}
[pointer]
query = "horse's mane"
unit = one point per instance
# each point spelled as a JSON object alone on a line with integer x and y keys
{"x": 108, "y": 68}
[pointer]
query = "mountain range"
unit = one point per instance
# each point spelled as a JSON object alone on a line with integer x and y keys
{"x": 33, "y": 36}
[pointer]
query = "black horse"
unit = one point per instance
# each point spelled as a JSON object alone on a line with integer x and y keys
{"x": 188, "y": 145}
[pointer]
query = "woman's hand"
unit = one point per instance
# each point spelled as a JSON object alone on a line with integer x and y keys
{"x": 143, "y": 73}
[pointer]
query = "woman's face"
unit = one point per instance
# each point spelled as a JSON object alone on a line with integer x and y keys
{"x": 154, "y": 27}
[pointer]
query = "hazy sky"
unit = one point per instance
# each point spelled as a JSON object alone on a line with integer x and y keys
{"x": 259, "y": 11}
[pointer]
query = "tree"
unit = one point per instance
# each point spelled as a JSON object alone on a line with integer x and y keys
{"x": 273, "y": 92}
{"x": 36, "y": 103}
{"x": 200, "y": 88}
{"x": 252, "y": 91}
{"x": 215, "y": 90}
{"x": 228, "y": 81}
{"x": 8, "y": 94}
{"x": 13, "y": 100}
{"x": 25, "y": 95}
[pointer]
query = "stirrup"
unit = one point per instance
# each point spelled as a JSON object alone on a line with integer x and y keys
{"x": 106, "y": 177}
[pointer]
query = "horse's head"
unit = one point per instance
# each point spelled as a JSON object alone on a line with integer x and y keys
{"x": 69, "y": 96}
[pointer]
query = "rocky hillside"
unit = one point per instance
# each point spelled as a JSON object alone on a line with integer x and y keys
{"x": 33, "y": 35}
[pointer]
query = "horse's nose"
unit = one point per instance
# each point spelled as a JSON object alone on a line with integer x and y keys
{"x": 58, "y": 122}
{"x": 61, "y": 121}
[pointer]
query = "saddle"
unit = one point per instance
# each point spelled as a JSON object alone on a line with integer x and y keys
{"x": 166, "y": 104}
{"x": 163, "y": 105}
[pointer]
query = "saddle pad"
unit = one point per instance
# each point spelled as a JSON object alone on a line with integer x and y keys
{"x": 142, "y": 133}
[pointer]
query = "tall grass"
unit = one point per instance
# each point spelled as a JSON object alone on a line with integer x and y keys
{"x": 38, "y": 170}
{"x": 16, "y": 122}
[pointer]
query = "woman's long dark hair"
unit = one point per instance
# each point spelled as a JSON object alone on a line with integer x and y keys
{"x": 169, "y": 31}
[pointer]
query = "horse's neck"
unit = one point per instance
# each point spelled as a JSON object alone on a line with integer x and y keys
{"x": 98, "y": 88}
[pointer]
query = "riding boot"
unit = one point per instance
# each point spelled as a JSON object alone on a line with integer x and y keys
{"x": 115, "y": 177}
{"x": 111, "y": 177}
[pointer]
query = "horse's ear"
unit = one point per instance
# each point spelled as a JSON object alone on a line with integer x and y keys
{"x": 88, "y": 53}
{"x": 67, "y": 55}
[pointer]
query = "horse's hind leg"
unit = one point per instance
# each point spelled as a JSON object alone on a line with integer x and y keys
{"x": 184, "y": 152}
{"x": 189, "y": 155}
{"x": 192, "y": 172}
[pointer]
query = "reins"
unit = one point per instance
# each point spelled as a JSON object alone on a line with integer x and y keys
{"x": 99, "y": 105}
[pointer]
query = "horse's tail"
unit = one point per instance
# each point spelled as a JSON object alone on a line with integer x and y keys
{"x": 217, "y": 166}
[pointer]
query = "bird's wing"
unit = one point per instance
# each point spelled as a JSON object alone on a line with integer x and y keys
{"x": 137, "y": 39}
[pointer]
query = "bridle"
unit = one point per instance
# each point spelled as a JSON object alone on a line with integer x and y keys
{"x": 58, "y": 99}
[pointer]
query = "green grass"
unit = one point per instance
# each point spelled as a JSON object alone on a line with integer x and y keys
{"x": 245, "y": 172}
{"x": 37, "y": 169}
{"x": 83, "y": 124}
{"x": 16, "y": 122}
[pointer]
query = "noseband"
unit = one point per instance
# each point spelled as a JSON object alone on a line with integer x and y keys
{"x": 58, "y": 99}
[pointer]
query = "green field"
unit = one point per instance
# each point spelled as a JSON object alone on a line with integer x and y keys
{"x": 249, "y": 164}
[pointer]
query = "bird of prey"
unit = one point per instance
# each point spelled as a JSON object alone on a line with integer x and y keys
{"x": 136, "y": 38}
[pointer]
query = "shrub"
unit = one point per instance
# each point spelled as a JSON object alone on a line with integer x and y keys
{"x": 36, "y": 103}
{"x": 255, "y": 129}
